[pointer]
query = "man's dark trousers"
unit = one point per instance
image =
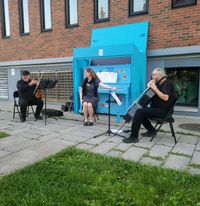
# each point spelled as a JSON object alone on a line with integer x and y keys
{"x": 24, "y": 103}
{"x": 142, "y": 116}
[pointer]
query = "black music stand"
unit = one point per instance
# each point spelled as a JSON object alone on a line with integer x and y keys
{"x": 109, "y": 132}
{"x": 47, "y": 84}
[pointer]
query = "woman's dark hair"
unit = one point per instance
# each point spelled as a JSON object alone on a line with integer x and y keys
{"x": 93, "y": 74}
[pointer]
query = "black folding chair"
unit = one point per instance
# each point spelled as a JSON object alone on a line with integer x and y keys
{"x": 16, "y": 108}
{"x": 167, "y": 119}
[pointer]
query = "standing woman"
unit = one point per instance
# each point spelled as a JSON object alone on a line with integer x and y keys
{"x": 89, "y": 95}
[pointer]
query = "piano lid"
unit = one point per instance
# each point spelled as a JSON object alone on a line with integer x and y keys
{"x": 135, "y": 33}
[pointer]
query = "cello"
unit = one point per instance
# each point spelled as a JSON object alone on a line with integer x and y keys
{"x": 143, "y": 100}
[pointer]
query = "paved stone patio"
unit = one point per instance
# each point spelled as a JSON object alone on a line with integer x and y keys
{"x": 32, "y": 141}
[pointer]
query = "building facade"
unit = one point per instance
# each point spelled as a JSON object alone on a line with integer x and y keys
{"x": 40, "y": 36}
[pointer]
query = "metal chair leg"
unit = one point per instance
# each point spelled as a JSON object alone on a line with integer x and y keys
{"x": 14, "y": 112}
{"x": 156, "y": 131}
{"x": 172, "y": 131}
{"x": 32, "y": 109}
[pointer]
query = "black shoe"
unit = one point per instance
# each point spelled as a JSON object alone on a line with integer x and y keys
{"x": 90, "y": 123}
{"x": 149, "y": 133}
{"x": 38, "y": 118}
{"x": 85, "y": 123}
{"x": 22, "y": 120}
{"x": 130, "y": 139}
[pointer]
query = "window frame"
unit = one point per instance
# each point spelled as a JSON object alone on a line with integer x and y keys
{"x": 3, "y": 22}
{"x": 177, "y": 7}
{"x": 132, "y": 13}
{"x": 96, "y": 20}
{"x": 67, "y": 15}
{"x": 22, "y": 26}
{"x": 42, "y": 14}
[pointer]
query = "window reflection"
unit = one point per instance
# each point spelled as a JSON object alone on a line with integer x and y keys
{"x": 46, "y": 14}
{"x": 186, "y": 82}
{"x": 180, "y": 3}
{"x": 6, "y": 18}
{"x": 72, "y": 12}
{"x": 25, "y": 16}
{"x": 103, "y": 9}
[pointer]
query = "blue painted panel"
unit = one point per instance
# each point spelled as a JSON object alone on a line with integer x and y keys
{"x": 108, "y": 51}
{"x": 134, "y": 34}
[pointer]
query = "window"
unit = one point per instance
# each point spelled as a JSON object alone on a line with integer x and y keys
{"x": 138, "y": 7}
{"x": 181, "y": 3}
{"x": 5, "y": 18}
{"x": 3, "y": 84}
{"x": 46, "y": 15}
{"x": 101, "y": 10}
{"x": 24, "y": 16}
{"x": 72, "y": 12}
{"x": 186, "y": 83}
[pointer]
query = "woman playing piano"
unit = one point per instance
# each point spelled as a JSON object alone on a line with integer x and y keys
{"x": 89, "y": 95}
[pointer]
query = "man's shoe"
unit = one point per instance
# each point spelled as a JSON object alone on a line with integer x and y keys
{"x": 38, "y": 118}
{"x": 149, "y": 134}
{"x": 131, "y": 140}
{"x": 22, "y": 120}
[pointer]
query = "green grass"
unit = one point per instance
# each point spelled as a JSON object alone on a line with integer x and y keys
{"x": 3, "y": 134}
{"x": 74, "y": 177}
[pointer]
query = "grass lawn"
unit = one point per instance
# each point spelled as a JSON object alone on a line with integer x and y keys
{"x": 76, "y": 177}
{"x": 3, "y": 134}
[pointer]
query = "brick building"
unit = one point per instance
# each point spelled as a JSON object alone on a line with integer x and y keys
{"x": 40, "y": 36}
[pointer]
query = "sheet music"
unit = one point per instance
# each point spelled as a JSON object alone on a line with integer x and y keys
{"x": 107, "y": 77}
{"x": 116, "y": 98}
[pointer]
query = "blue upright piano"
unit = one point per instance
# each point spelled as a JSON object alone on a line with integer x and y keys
{"x": 119, "y": 50}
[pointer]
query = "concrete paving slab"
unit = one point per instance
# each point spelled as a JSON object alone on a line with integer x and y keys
{"x": 183, "y": 148}
{"x": 115, "y": 139}
{"x": 145, "y": 142}
{"x": 122, "y": 147}
{"x": 160, "y": 151}
{"x": 104, "y": 148}
{"x": 98, "y": 140}
{"x": 198, "y": 145}
{"x": 3, "y": 153}
{"x": 134, "y": 153}
{"x": 167, "y": 140}
{"x": 177, "y": 162}
{"x": 188, "y": 139}
{"x": 150, "y": 161}
{"x": 194, "y": 171}
{"x": 85, "y": 146}
{"x": 114, "y": 153}
{"x": 196, "y": 158}
{"x": 31, "y": 155}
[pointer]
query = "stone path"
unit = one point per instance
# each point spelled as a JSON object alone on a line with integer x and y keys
{"x": 32, "y": 141}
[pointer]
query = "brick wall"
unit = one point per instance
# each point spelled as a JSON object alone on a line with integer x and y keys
{"x": 168, "y": 28}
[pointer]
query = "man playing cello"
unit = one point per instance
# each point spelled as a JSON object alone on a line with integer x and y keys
{"x": 26, "y": 88}
{"x": 160, "y": 105}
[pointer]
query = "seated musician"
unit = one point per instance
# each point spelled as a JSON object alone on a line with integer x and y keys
{"x": 160, "y": 105}
{"x": 89, "y": 95}
{"x": 26, "y": 88}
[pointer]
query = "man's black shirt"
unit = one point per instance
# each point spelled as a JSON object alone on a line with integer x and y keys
{"x": 166, "y": 88}
{"x": 25, "y": 90}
